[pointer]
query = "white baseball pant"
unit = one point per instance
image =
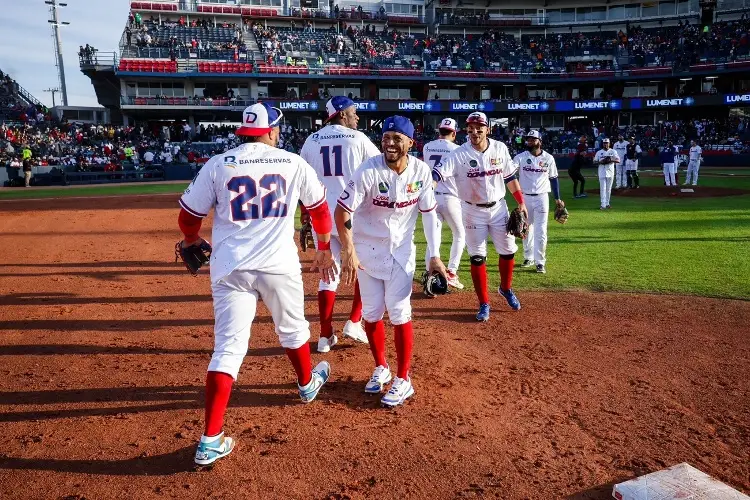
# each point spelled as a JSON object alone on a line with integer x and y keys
{"x": 621, "y": 178}
{"x": 482, "y": 222}
{"x": 235, "y": 301}
{"x": 631, "y": 165}
{"x": 670, "y": 169}
{"x": 606, "y": 177}
{"x": 535, "y": 243}
{"x": 336, "y": 252}
{"x": 449, "y": 210}
{"x": 692, "y": 172}
{"x": 392, "y": 295}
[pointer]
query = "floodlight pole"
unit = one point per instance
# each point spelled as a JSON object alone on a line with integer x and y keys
{"x": 53, "y": 91}
{"x": 58, "y": 46}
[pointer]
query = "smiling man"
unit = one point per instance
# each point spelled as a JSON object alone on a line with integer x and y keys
{"x": 385, "y": 195}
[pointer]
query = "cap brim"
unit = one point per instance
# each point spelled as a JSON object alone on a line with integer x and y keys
{"x": 449, "y": 129}
{"x": 252, "y": 132}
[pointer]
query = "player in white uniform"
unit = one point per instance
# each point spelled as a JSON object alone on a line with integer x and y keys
{"x": 621, "y": 147}
{"x": 482, "y": 167}
{"x": 448, "y": 204}
{"x": 385, "y": 194}
{"x": 694, "y": 163}
{"x": 606, "y": 158}
{"x": 537, "y": 174}
{"x": 632, "y": 157}
{"x": 254, "y": 190}
{"x": 335, "y": 152}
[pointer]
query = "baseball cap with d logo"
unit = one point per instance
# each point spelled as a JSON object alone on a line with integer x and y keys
{"x": 477, "y": 117}
{"x": 259, "y": 119}
{"x": 448, "y": 124}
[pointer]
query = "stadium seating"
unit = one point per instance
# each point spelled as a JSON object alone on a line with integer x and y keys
{"x": 212, "y": 67}
{"x": 148, "y": 66}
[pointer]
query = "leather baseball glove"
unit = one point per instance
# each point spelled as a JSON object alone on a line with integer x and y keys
{"x": 517, "y": 224}
{"x": 606, "y": 160}
{"x": 306, "y": 236}
{"x": 561, "y": 214}
{"x": 194, "y": 256}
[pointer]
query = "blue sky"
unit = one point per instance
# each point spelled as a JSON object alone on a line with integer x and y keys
{"x": 27, "y": 47}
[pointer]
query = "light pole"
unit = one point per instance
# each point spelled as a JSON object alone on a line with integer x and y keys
{"x": 53, "y": 91}
{"x": 54, "y": 4}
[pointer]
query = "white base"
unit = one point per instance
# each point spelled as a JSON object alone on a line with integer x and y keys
{"x": 680, "y": 481}
{"x": 687, "y": 190}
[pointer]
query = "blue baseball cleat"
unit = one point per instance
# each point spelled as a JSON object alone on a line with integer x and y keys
{"x": 484, "y": 312}
{"x": 320, "y": 375}
{"x": 511, "y": 298}
{"x": 210, "y": 452}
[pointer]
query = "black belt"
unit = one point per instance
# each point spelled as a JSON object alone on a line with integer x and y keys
{"x": 436, "y": 192}
{"x": 531, "y": 194}
{"x": 483, "y": 205}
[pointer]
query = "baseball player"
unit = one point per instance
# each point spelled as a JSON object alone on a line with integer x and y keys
{"x": 669, "y": 165}
{"x": 537, "y": 174}
{"x": 482, "y": 168}
{"x": 251, "y": 189}
{"x": 621, "y": 147}
{"x": 606, "y": 158}
{"x": 377, "y": 247}
{"x": 335, "y": 152}
{"x": 632, "y": 156}
{"x": 694, "y": 163}
{"x": 448, "y": 204}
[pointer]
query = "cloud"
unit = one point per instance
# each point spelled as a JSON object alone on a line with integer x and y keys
{"x": 27, "y": 48}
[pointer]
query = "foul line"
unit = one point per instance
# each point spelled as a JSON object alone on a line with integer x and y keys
{"x": 88, "y": 197}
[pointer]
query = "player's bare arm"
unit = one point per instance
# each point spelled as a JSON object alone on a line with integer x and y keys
{"x": 515, "y": 187}
{"x": 349, "y": 260}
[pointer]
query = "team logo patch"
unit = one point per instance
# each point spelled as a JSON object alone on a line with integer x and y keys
{"x": 495, "y": 161}
{"x": 528, "y": 161}
{"x": 383, "y": 187}
{"x": 230, "y": 161}
{"x": 414, "y": 187}
{"x": 473, "y": 164}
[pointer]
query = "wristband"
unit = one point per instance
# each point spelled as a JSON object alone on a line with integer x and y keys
{"x": 518, "y": 195}
{"x": 324, "y": 245}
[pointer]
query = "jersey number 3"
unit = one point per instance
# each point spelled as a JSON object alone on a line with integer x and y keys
{"x": 338, "y": 170}
{"x": 270, "y": 206}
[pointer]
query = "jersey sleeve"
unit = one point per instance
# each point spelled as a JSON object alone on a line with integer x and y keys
{"x": 447, "y": 167}
{"x": 509, "y": 166}
{"x": 552, "y": 170}
{"x": 354, "y": 192}
{"x": 617, "y": 157}
{"x": 427, "y": 202}
{"x": 306, "y": 151}
{"x": 369, "y": 149}
{"x": 200, "y": 196}
{"x": 312, "y": 193}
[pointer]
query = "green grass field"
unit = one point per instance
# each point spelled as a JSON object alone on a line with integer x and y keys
{"x": 683, "y": 246}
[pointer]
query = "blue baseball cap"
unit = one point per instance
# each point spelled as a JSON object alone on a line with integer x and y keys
{"x": 259, "y": 119}
{"x": 336, "y": 104}
{"x": 399, "y": 124}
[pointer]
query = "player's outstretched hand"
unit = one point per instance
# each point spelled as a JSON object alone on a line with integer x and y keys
{"x": 324, "y": 263}
{"x": 349, "y": 266}
{"x": 436, "y": 265}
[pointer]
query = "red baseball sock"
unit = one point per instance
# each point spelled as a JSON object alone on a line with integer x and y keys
{"x": 506, "y": 273}
{"x": 479, "y": 277}
{"x": 404, "y": 345}
{"x": 218, "y": 389}
{"x": 356, "y": 315}
{"x": 300, "y": 358}
{"x": 376, "y": 337}
{"x": 326, "y": 299}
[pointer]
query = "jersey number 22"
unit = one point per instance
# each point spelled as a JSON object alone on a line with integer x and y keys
{"x": 270, "y": 206}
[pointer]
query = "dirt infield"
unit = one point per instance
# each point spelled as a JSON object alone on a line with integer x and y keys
{"x": 670, "y": 192}
{"x": 104, "y": 344}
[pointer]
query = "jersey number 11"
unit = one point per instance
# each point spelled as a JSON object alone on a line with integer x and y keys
{"x": 325, "y": 151}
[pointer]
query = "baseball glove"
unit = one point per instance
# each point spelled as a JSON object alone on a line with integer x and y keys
{"x": 606, "y": 160}
{"x": 193, "y": 256}
{"x": 434, "y": 284}
{"x": 561, "y": 215}
{"x": 517, "y": 224}
{"x": 306, "y": 237}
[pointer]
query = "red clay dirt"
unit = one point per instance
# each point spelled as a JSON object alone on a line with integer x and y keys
{"x": 105, "y": 343}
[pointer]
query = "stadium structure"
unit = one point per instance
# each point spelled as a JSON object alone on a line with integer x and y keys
{"x": 537, "y": 63}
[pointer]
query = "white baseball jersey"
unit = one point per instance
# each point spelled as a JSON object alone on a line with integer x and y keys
{"x": 621, "y": 147}
{"x": 695, "y": 153}
{"x": 480, "y": 176}
{"x": 609, "y": 169}
{"x": 254, "y": 189}
{"x": 433, "y": 153}
{"x": 334, "y": 153}
{"x": 534, "y": 172}
{"x": 385, "y": 206}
